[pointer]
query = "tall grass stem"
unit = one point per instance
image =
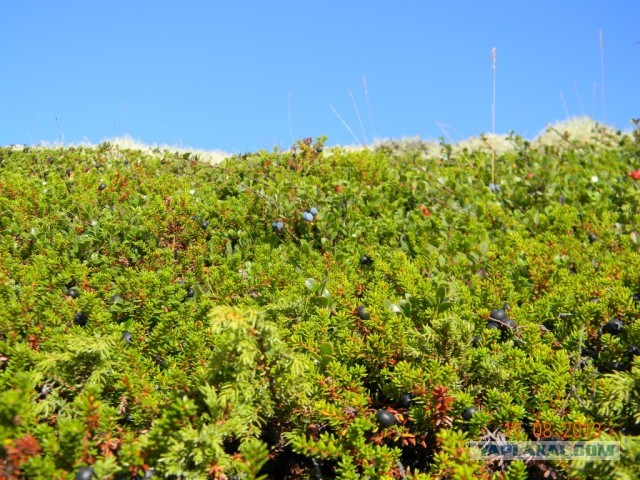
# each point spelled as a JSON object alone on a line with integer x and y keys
{"x": 493, "y": 114}
{"x": 289, "y": 114}
{"x": 575, "y": 88}
{"x": 346, "y": 125}
{"x": 604, "y": 109}
{"x": 493, "y": 107}
{"x": 564, "y": 104}
{"x": 366, "y": 94}
{"x": 355, "y": 107}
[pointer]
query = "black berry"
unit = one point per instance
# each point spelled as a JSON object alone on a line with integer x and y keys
{"x": 588, "y": 352}
{"x": 126, "y": 337}
{"x": 128, "y": 418}
{"x": 80, "y": 319}
{"x": 385, "y": 419}
{"x": 84, "y": 473}
{"x": 613, "y": 327}
{"x": 190, "y": 294}
{"x": 468, "y": 413}
{"x": 509, "y": 323}
{"x": 365, "y": 260}
{"x": 102, "y": 186}
{"x": 498, "y": 314}
{"x": 73, "y": 293}
{"x": 633, "y": 351}
{"x": 405, "y": 400}
{"x": 363, "y": 313}
{"x": 593, "y": 237}
{"x": 615, "y": 366}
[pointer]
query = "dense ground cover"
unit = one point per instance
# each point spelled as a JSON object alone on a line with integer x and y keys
{"x": 318, "y": 314}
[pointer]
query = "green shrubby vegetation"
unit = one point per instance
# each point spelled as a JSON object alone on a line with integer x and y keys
{"x": 318, "y": 313}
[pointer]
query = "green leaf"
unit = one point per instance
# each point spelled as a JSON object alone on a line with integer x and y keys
{"x": 431, "y": 302}
{"x": 444, "y": 306}
{"x": 326, "y": 349}
{"x": 312, "y": 285}
{"x": 441, "y": 294}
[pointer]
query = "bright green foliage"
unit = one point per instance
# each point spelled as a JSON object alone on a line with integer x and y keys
{"x": 222, "y": 337}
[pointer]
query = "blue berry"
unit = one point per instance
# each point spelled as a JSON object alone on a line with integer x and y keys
{"x": 313, "y": 211}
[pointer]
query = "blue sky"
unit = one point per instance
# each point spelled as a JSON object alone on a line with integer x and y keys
{"x": 247, "y": 75}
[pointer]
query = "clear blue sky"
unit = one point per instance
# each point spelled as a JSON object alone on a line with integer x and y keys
{"x": 246, "y": 75}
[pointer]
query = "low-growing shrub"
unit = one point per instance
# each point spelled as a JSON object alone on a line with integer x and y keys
{"x": 318, "y": 313}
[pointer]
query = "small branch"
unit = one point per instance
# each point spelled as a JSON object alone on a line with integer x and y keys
{"x": 403, "y": 473}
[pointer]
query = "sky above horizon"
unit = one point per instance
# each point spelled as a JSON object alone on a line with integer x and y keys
{"x": 249, "y": 75}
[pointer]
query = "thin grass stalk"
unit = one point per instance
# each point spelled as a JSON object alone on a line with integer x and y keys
{"x": 290, "y": 129}
{"x": 604, "y": 109}
{"x": 355, "y": 107}
{"x": 575, "y": 87}
{"x": 493, "y": 115}
{"x": 346, "y": 125}
{"x": 564, "y": 104}
{"x": 366, "y": 94}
